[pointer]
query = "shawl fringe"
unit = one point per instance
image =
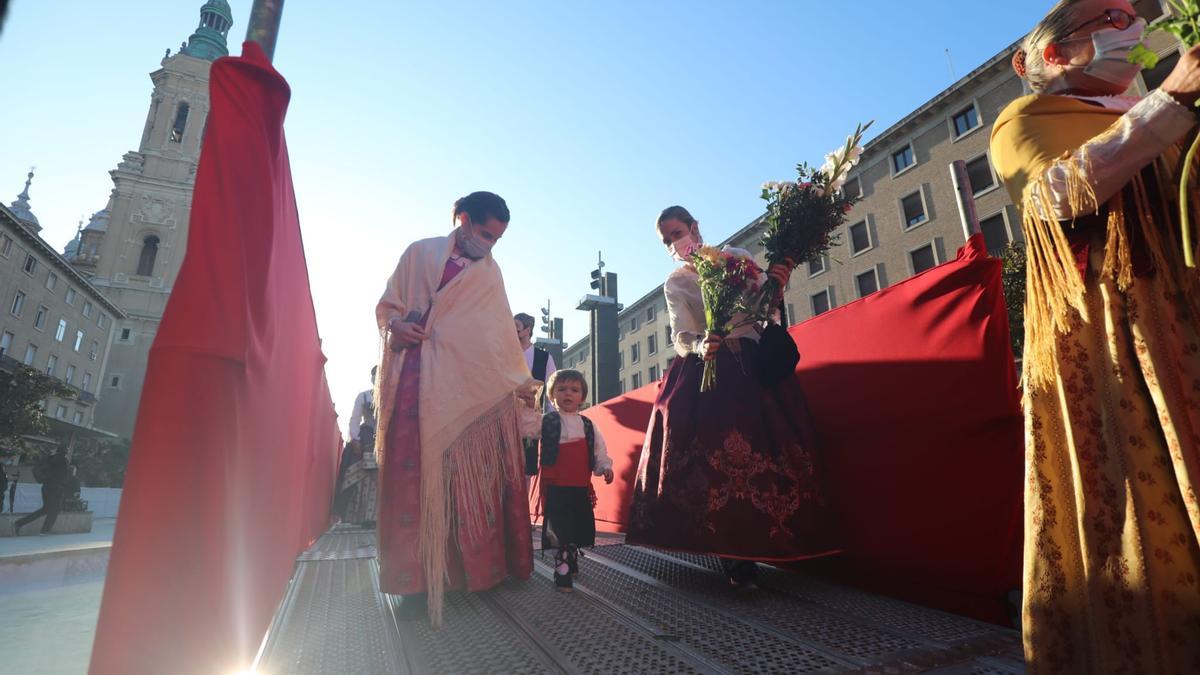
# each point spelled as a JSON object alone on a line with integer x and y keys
{"x": 1055, "y": 289}
{"x": 470, "y": 485}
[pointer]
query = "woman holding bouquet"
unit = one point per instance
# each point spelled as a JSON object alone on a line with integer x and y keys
{"x": 731, "y": 471}
{"x": 1112, "y": 349}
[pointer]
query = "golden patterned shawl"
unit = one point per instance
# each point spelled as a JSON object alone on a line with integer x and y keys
{"x": 1032, "y": 133}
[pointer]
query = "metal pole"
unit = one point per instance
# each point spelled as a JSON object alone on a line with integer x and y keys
{"x": 966, "y": 198}
{"x": 264, "y": 25}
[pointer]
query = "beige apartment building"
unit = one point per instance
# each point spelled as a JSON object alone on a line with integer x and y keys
{"x": 908, "y": 220}
{"x": 52, "y": 318}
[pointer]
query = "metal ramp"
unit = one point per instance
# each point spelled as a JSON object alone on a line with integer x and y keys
{"x": 635, "y": 610}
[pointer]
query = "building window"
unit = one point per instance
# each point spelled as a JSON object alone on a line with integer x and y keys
{"x": 70, "y": 296}
{"x": 867, "y": 283}
{"x": 51, "y": 364}
{"x": 87, "y": 310}
{"x": 95, "y": 351}
{"x": 61, "y": 413}
{"x": 114, "y": 382}
{"x": 860, "y": 237}
{"x": 39, "y": 321}
{"x": 61, "y": 333}
{"x": 101, "y": 320}
{"x": 979, "y": 172}
{"x": 816, "y": 266}
{"x": 145, "y": 266}
{"x": 965, "y": 120}
{"x": 30, "y": 354}
{"x": 87, "y": 381}
{"x": 633, "y": 324}
{"x": 125, "y": 333}
{"x": 78, "y": 418}
{"x": 913, "y": 207}
{"x": 637, "y": 380}
{"x": 650, "y": 313}
{"x": 70, "y": 374}
{"x": 820, "y": 302}
{"x": 6, "y": 244}
{"x": 30, "y": 264}
{"x": 995, "y": 234}
{"x": 667, "y": 333}
{"x": 622, "y": 387}
{"x": 18, "y": 304}
{"x": 51, "y": 281}
{"x": 654, "y": 373}
{"x": 902, "y": 159}
{"x": 923, "y": 258}
{"x": 652, "y": 344}
{"x": 181, "y": 118}
{"x": 635, "y": 353}
{"x": 6, "y": 341}
{"x": 852, "y": 189}
{"x": 78, "y": 340}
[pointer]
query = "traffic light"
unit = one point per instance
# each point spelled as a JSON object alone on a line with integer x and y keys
{"x": 598, "y": 281}
{"x": 546, "y": 325}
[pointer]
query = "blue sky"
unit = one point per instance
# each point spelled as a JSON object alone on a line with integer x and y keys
{"x": 589, "y": 118}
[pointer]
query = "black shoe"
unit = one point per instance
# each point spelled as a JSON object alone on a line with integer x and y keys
{"x": 562, "y": 572}
{"x": 743, "y": 574}
{"x": 573, "y": 560}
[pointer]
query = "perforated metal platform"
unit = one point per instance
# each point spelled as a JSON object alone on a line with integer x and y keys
{"x": 635, "y": 610}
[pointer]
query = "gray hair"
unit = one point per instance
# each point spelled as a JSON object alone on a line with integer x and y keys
{"x": 1049, "y": 30}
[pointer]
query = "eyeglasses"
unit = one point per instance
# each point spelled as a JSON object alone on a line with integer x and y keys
{"x": 1115, "y": 18}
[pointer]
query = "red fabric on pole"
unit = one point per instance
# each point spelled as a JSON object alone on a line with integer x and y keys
{"x": 235, "y": 448}
{"x": 915, "y": 399}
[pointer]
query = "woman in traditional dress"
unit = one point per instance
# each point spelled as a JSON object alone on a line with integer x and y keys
{"x": 452, "y": 387}
{"x": 1112, "y": 350}
{"x": 732, "y": 471}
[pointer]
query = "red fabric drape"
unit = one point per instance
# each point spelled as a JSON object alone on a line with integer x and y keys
{"x": 234, "y": 452}
{"x": 915, "y": 399}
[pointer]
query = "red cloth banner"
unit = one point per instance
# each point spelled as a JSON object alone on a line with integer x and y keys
{"x": 915, "y": 399}
{"x": 235, "y": 448}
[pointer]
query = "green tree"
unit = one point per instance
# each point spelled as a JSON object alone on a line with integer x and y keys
{"x": 22, "y": 391}
{"x": 101, "y": 462}
{"x": 1013, "y": 279}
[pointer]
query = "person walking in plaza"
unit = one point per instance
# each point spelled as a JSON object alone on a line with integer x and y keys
{"x": 1112, "y": 349}
{"x": 357, "y": 473}
{"x": 53, "y": 473}
{"x": 452, "y": 388}
{"x": 571, "y": 452}
{"x": 733, "y": 471}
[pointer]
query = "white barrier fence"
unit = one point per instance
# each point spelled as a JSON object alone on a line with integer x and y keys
{"x": 102, "y": 502}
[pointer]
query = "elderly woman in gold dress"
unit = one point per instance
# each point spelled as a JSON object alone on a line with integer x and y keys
{"x": 1112, "y": 366}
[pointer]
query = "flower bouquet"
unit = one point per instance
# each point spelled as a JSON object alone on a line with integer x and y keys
{"x": 727, "y": 281}
{"x": 802, "y": 216}
{"x": 801, "y": 219}
{"x": 1185, "y": 25}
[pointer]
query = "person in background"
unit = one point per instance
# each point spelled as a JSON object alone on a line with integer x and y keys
{"x": 53, "y": 473}
{"x": 541, "y": 366}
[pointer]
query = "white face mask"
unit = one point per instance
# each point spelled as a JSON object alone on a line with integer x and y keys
{"x": 473, "y": 246}
{"x": 1111, "y": 62}
{"x": 681, "y": 249}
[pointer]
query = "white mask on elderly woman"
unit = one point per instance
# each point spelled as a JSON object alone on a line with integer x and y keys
{"x": 1111, "y": 62}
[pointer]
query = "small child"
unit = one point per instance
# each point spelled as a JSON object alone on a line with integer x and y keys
{"x": 571, "y": 452}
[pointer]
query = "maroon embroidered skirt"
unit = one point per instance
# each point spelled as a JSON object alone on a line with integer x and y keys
{"x": 733, "y": 471}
